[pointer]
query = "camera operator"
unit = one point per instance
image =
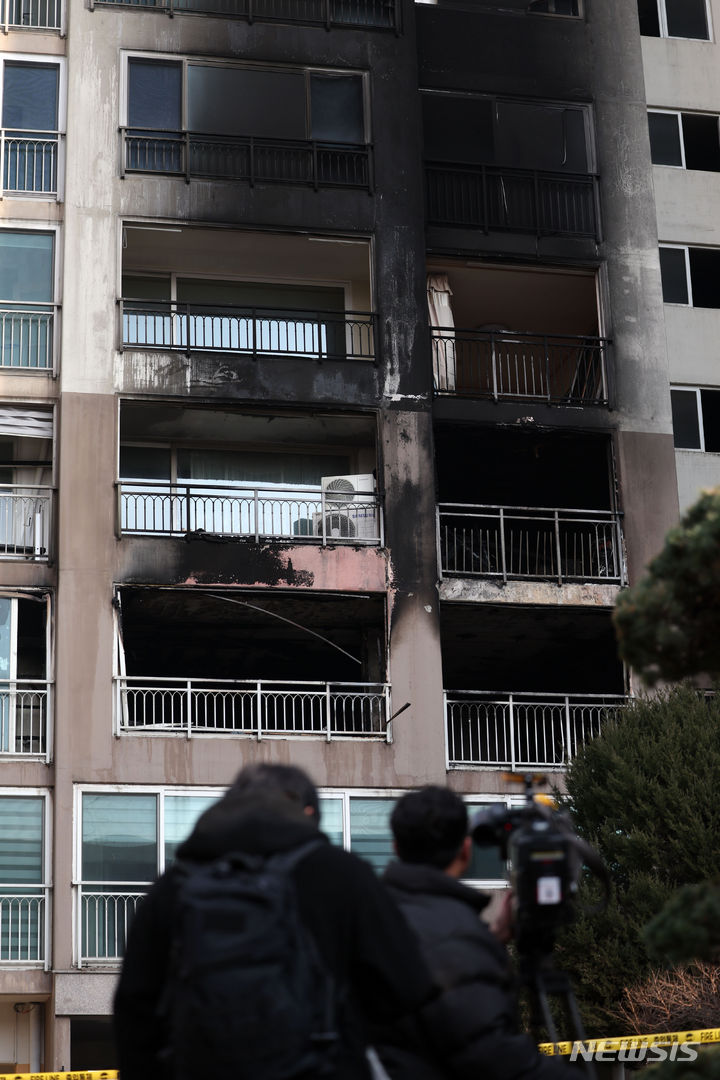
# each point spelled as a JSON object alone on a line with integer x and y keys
{"x": 473, "y": 1024}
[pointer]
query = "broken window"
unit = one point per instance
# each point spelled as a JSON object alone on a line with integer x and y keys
{"x": 685, "y": 140}
{"x": 674, "y": 18}
{"x": 690, "y": 276}
{"x": 696, "y": 419}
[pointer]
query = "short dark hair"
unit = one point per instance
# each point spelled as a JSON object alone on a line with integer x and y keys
{"x": 429, "y": 826}
{"x": 275, "y": 782}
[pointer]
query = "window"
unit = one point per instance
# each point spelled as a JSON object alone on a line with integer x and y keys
{"x": 685, "y": 140}
{"x": 555, "y": 7}
{"x": 126, "y": 841}
{"x": 30, "y": 127}
{"x": 696, "y": 419}
{"x": 273, "y": 105}
{"x": 26, "y": 299}
{"x": 674, "y": 18}
{"x": 23, "y": 878}
{"x": 691, "y": 276}
{"x": 24, "y": 686}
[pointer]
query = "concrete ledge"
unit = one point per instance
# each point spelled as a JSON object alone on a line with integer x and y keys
{"x": 85, "y": 993}
{"x": 545, "y": 593}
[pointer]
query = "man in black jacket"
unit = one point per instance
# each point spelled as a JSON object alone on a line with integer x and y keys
{"x": 361, "y": 937}
{"x": 476, "y": 1011}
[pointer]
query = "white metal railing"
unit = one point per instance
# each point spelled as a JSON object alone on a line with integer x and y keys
{"x": 505, "y": 542}
{"x": 27, "y": 335}
{"x": 31, "y": 15}
{"x": 312, "y": 515}
{"x": 24, "y": 914}
{"x": 25, "y": 521}
{"x": 24, "y": 716}
{"x": 262, "y": 708}
{"x": 521, "y": 730}
{"x": 29, "y": 161}
{"x": 105, "y": 912}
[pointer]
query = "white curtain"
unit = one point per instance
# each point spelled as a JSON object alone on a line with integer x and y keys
{"x": 443, "y": 342}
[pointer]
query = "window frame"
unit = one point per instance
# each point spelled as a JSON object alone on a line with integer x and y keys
{"x": 46, "y": 885}
{"x": 662, "y": 19}
{"x": 55, "y": 229}
{"x": 187, "y": 60}
{"x": 698, "y": 390}
{"x": 560, "y": 14}
{"x": 44, "y": 60}
{"x": 679, "y": 114}
{"x": 688, "y": 279}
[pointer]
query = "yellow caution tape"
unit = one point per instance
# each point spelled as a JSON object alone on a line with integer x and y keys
{"x": 103, "y": 1074}
{"x": 628, "y": 1042}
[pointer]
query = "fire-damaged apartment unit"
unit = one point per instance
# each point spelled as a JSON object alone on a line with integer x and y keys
{"x": 334, "y": 414}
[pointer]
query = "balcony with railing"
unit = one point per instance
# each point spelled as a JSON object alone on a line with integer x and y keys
{"x": 24, "y": 924}
{"x": 25, "y": 522}
{"x": 505, "y": 366}
{"x": 104, "y": 914}
{"x": 251, "y": 332}
{"x": 367, "y": 14}
{"x": 27, "y": 333}
{"x": 511, "y": 542}
{"x": 31, "y": 15}
{"x": 521, "y": 730}
{"x": 24, "y": 718}
{"x": 259, "y": 709}
{"x": 29, "y": 162}
{"x": 497, "y": 198}
{"x": 204, "y": 156}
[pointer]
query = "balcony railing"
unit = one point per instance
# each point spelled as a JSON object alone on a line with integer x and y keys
{"x": 24, "y": 916}
{"x": 503, "y": 542}
{"x": 518, "y": 731}
{"x": 31, "y": 15}
{"x": 25, "y": 522}
{"x": 370, "y": 14}
{"x": 24, "y": 716}
{"x": 261, "y": 709}
{"x": 253, "y": 332}
{"x": 308, "y": 516}
{"x": 507, "y": 366}
{"x": 104, "y": 916}
{"x": 494, "y": 198}
{"x": 224, "y": 157}
{"x": 29, "y": 161}
{"x": 26, "y": 336}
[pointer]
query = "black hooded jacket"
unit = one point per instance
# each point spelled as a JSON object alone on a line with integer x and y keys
{"x": 473, "y": 1024}
{"x": 360, "y": 935}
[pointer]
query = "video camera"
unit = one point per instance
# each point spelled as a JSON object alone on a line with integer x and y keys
{"x": 546, "y": 856}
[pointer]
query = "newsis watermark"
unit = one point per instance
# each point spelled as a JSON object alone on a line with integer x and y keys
{"x": 631, "y": 1051}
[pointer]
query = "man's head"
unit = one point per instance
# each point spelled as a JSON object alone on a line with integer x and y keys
{"x": 430, "y": 826}
{"x": 285, "y": 787}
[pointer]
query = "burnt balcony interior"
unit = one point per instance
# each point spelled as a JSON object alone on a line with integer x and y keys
{"x": 516, "y": 333}
{"x": 527, "y": 504}
{"x": 285, "y": 658}
{"x": 250, "y": 294}
{"x": 503, "y": 164}
{"x": 298, "y": 477}
{"x": 26, "y": 479}
{"x": 293, "y": 125}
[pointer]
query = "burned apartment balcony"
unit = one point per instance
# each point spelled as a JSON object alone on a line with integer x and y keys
{"x": 543, "y": 536}
{"x": 363, "y": 14}
{"x": 526, "y": 168}
{"x": 239, "y": 665}
{"x": 241, "y": 308}
{"x": 26, "y": 483}
{"x": 287, "y": 126}
{"x": 25, "y": 686}
{"x": 516, "y": 334}
{"x": 557, "y": 677}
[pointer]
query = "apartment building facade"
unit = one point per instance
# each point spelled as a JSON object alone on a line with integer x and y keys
{"x": 334, "y": 412}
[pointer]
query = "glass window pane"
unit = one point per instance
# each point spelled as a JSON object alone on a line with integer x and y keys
{"x": 649, "y": 18}
{"x": 268, "y": 104}
{"x": 5, "y": 636}
{"x": 686, "y": 429}
{"x": 687, "y": 18}
{"x": 370, "y": 835}
{"x": 665, "y": 138}
{"x": 701, "y": 136}
{"x": 674, "y": 275}
{"x": 155, "y": 95}
{"x": 30, "y": 97}
{"x": 533, "y": 136}
{"x": 252, "y": 467}
{"x": 181, "y": 813}
{"x": 119, "y": 838}
{"x": 26, "y": 266}
{"x": 705, "y": 277}
{"x": 331, "y": 818}
{"x": 710, "y": 400}
{"x": 21, "y": 840}
{"x": 486, "y": 863}
{"x": 337, "y": 108}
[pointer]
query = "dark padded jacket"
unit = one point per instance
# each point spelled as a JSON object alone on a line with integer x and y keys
{"x": 360, "y": 935}
{"x": 473, "y": 1024}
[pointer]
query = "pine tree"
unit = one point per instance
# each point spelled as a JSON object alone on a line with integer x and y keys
{"x": 644, "y": 794}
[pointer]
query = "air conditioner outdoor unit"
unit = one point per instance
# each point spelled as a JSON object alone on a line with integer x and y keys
{"x": 345, "y": 489}
{"x": 351, "y": 511}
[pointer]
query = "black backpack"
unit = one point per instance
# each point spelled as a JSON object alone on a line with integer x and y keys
{"x": 248, "y": 997}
